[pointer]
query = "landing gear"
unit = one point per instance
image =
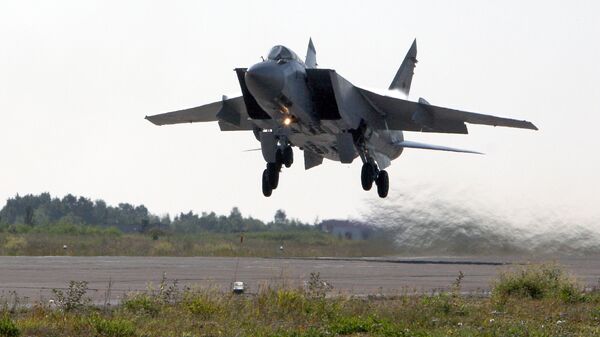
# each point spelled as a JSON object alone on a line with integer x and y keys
{"x": 273, "y": 174}
{"x": 367, "y": 176}
{"x": 270, "y": 177}
{"x": 266, "y": 185}
{"x": 383, "y": 184}
{"x": 288, "y": 156}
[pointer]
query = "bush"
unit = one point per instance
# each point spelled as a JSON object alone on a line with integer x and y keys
{"x": 352, "y": 325}
{"x": 8, "y": 328}
{"x": 66, "y": 228}
{"x": 372, "y": 326}
{"x": 15, "y": 245}
{"x": 74, "y": 297}
{"x": 113, "y": 327}
{"x": 537, "y": 282}
{"x": 141, "y": 304}
{"x": 163, "y": 248}
{"x": 290, "y": 301}
{"x": 201, "y": 306}
{"x": 317, "y": 287}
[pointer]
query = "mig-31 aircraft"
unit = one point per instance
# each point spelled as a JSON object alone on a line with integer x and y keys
{"x": 288, "y": 102}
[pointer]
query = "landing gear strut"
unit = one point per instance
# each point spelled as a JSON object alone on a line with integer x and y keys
{"x": 370, "y": 173}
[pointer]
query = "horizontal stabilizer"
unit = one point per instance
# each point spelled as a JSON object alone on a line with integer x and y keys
{"x": 415, "y": 145}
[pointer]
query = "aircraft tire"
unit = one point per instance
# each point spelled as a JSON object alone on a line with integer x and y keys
{"x": 273, "y": 174}
{"x": 288, "y": 156}
{"x": 383, "y": 184}
{"x": 266, "y": 185}
{"x": 366, "y": 176}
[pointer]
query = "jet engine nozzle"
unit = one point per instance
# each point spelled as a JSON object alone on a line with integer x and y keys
{"x": 265, "y": 80}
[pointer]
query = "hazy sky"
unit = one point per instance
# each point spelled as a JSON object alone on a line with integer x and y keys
{"x": 78, "y": 77}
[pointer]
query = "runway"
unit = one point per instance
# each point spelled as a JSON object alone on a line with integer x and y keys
{"x": 35, "y": 277}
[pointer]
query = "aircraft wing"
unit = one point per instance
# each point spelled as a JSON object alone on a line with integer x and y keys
{"x": 230, "y": 113}
{"x": 406, "y": 115}
{"x": 204, "y": 113}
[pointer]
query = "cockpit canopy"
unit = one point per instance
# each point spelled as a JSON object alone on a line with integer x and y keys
{"x": 278, "y": 53}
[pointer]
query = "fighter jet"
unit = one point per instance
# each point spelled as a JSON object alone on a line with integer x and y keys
{"x": 288, "y": 102}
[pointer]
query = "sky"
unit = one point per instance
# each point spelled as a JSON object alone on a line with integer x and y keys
{"x": 78, "y": 77}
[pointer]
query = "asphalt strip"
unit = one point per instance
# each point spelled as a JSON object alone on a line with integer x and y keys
{"x": 399, "y": 261}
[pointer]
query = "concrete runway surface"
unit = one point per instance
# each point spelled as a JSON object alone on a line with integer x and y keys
{"x": 35, "y": 277}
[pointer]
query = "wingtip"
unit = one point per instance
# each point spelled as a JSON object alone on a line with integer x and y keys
{"x": 149, "y": 119}
{"x": 531, "y": 126}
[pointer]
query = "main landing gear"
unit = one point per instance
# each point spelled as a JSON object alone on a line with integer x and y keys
{"x": 270, "y": 176}
{"x": 371, "y": 174}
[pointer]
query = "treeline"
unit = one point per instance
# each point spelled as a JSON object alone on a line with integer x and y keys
{"x": 44, "y": 211}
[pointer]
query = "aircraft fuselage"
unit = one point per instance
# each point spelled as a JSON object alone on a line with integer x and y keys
{"x": 281, "y": 89}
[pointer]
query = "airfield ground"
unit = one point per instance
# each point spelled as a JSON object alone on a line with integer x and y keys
{"x": 35, "y": 277}
{"x": 427, "y": 297}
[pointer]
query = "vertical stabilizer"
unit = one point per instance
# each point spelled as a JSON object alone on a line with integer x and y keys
{"x": 404, "y": 76}
{"x": 311, "y": 55}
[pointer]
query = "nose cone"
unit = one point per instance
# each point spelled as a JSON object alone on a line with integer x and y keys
{"x": 265, "y": 80}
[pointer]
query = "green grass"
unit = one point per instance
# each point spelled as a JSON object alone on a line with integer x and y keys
{"x": 170, "y": 311}
{"x": 8, "y": 328}
{"x": 261, "y": 244}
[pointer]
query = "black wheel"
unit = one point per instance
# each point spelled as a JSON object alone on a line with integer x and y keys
{"x": 273, "y": 173}
{"x": 266, "y": 185}
{"x": 288, "y": 156}
{"x": 366, "y": 176}
{"x": 383, "y": 184}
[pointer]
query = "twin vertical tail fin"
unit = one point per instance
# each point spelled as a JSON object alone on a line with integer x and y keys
{"x": 404, "y": 76}
{"x": 311, "y": 55}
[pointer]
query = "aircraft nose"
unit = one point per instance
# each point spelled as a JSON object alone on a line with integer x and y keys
{"x": 265, "y": 80}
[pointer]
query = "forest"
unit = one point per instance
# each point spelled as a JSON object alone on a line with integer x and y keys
{"x": 43, "y": 211}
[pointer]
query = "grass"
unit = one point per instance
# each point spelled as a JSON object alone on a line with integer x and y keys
{"x": 260, "y": 244}
{"x": 171, "y": 311}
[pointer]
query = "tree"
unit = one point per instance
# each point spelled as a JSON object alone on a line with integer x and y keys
{"x": 29, "y": 216}
{"x": 280, "y": 217}
{"x": 40, "y": 217}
